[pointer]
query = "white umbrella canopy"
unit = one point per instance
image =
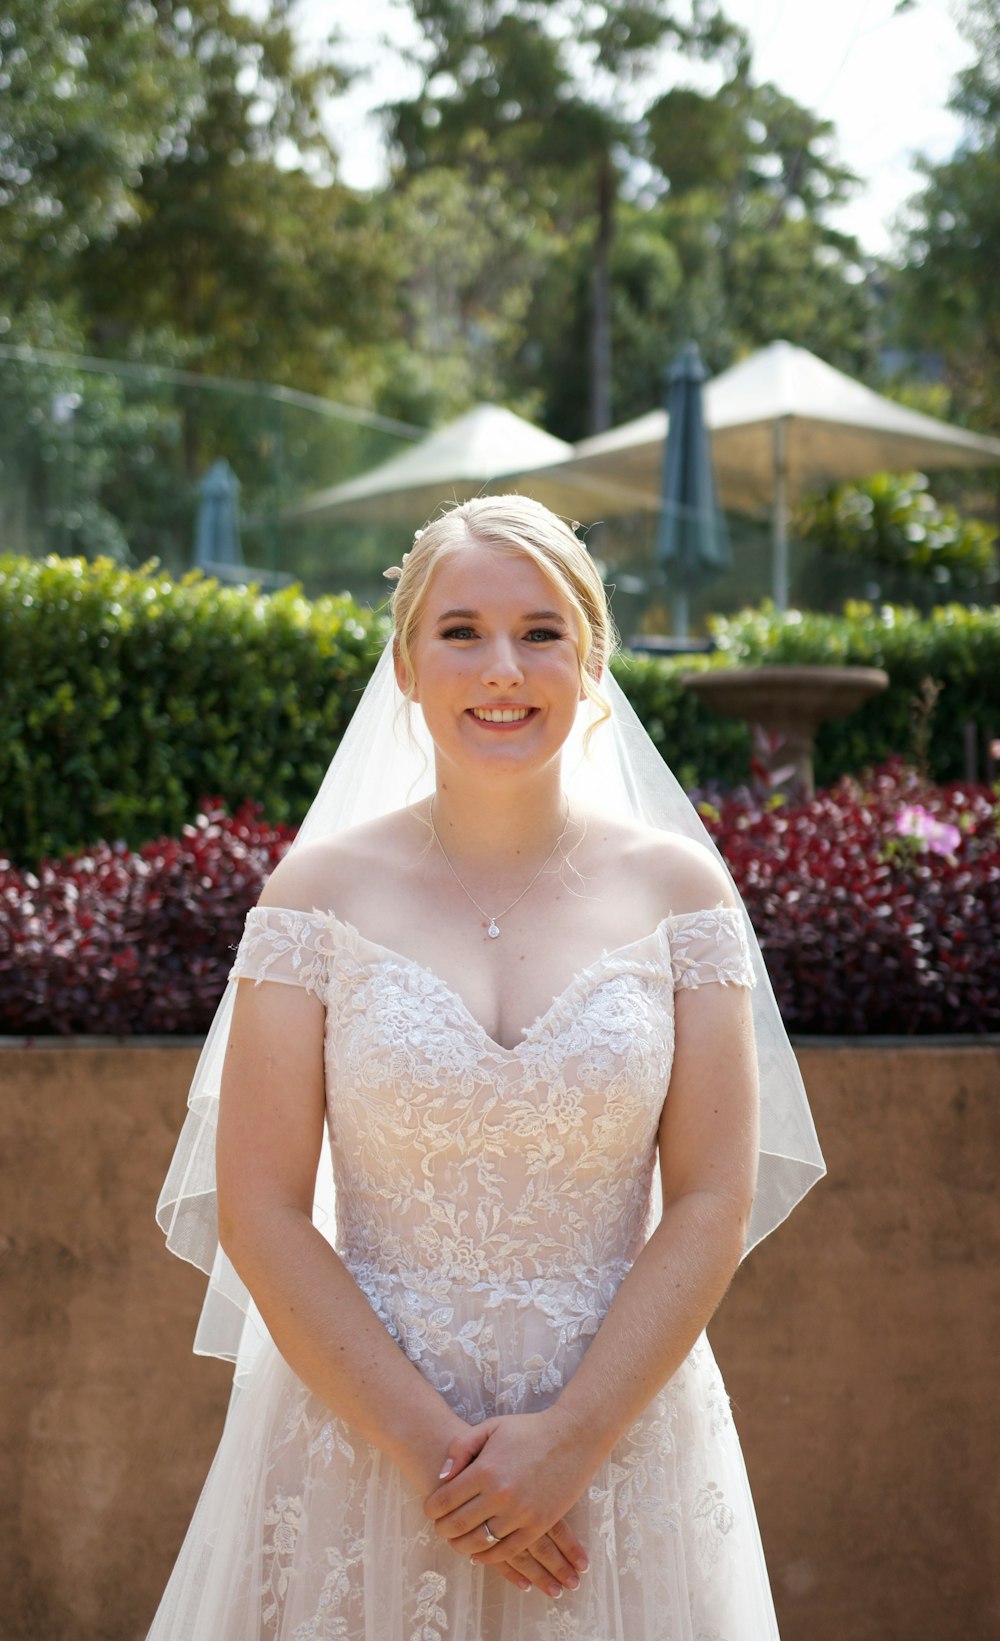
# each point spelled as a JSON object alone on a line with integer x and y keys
{"x": 487, "y": 449}
{"x": 783, "y": 423}
{"x": 835, "y": 429}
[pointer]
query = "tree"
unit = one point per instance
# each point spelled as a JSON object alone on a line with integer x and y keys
{"x": 751, "y": 176}
{"x": 90, "y": 88}
{"x": 224, "y": 245}
{"x": 144, "y": 188}
{"x": 465, "y": 261}
{"x": 680, "y": 215}
{"x": 537, "y": 90}
{"x": 948, "y": 292}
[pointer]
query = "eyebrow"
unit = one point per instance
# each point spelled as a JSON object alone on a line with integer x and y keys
{"x": 532, "y": 615}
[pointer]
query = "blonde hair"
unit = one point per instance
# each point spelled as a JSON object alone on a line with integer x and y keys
{"x": 512, "y": 524}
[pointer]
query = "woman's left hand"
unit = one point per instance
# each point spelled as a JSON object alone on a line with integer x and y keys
{"x": 520, "y": 1473}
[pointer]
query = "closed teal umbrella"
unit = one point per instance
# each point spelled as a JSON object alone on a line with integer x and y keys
{"x": 692, "y": 543}
{"x": 217, "y": 548}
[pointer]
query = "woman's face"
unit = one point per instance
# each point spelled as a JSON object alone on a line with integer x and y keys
{"x": 495, "y": 661}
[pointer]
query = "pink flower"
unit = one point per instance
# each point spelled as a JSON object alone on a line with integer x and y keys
{"x": 917, "y": 823}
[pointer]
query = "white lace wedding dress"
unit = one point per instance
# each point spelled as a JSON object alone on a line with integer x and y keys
{"x": 489, "y": 1203}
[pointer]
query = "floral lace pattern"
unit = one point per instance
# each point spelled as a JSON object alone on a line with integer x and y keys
{"x": 490, "y": 1201}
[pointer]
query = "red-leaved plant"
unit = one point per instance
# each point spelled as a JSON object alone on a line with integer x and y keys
{"x": 115, "y": 941}
{"x": 877, "y": 905}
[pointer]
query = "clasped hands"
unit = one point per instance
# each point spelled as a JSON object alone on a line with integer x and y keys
{"x": 520, "y": 1473}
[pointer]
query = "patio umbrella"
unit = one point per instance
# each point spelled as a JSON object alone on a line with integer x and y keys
{"x": 217, "y": 527}
{"x": 784, "y": 423}
{"x": 487, "y": 449}
{"x": 691, "y": 543}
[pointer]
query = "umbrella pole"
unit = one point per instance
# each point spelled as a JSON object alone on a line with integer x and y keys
{"x": 780, "y": 517}
{"x": 682, "y": 612}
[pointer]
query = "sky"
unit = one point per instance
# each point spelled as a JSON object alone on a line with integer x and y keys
{"x": 883, "y": 79}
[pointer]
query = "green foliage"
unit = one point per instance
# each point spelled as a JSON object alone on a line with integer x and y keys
{"x": 466, "y": 258}
{"x": 948, "y": 293}
{"x": 146, "y": 188}
{"x": 751, "y": 177}
{"x": 891, "y": 521}
{"x": 89, "y": 88}
{"x": 127, "y": 696}
{"x": 539, "y": 90}
{"x": 700, "y": 746}
{"x": 555, "y": 230}
{"x": 955, "y": 647}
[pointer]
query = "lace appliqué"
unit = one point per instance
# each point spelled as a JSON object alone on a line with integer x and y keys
{"x": 291, "y": 947}
{"x": 710, "y": 946}
{"x": 283, "y": 1515}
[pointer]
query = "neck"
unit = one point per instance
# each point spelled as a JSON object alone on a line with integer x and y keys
{"x": 497, "y": 824}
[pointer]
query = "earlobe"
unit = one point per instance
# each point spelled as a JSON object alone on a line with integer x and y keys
{"x": 400, "y": 670}
{"x": 596, "y": 673}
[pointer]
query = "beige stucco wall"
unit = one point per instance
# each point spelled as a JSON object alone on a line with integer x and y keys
{"x": 860, "y": 1347}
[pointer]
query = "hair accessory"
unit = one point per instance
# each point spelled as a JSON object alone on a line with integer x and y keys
{"x": 394, "y": 571}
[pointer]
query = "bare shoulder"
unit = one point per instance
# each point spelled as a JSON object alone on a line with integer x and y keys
{"x": 321, "y": 876}
{"x": 678, "y": 874}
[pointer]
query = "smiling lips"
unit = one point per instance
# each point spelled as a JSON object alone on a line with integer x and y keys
{"x": 501, "y": 715}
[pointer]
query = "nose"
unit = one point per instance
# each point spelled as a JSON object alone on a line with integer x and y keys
{"x": 502, "y": 668}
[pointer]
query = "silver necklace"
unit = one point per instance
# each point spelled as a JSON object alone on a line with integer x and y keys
{"x": 493, "y": 920}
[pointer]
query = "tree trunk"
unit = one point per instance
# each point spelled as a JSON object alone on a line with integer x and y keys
{"x": 600, "y": 308}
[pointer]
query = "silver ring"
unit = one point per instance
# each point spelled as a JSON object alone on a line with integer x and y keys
{"x": 491, "y": 1537}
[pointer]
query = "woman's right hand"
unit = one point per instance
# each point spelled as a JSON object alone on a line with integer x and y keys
{"x": 552, "y": 1564}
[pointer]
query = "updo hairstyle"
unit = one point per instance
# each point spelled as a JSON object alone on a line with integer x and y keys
{"x": 517, "y": 525}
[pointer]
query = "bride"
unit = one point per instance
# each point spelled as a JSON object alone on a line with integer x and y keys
{"x": 501, "y": 1003}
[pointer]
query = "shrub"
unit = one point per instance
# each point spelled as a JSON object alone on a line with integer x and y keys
{"x": 117, "y": 942}
{"x": 891, "y": 522}
{"x": 125, "y": 695}
{"x": 697, "y": 743}
{"x": 957, "y": 648}
{"x": 865, "y": 924}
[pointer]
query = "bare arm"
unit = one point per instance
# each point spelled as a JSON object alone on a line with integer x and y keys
{"x": 270, "y": 1133}
{"x": 537, "y": 1465}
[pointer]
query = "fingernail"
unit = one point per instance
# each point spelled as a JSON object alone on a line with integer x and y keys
{"x": 555, "y": 1592}
{"x": 572, "y": 1584}
{"x": 449, "y": 1465}
{"x": 583, "y": 1565}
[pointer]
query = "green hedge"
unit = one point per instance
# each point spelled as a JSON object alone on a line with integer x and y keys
{"x": 955, "y": 647}
{"x": 126, "y": 696}
{"x": 699, "y": 745}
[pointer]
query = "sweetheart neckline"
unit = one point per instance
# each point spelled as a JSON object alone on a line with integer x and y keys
{"x": 331, "y": 919}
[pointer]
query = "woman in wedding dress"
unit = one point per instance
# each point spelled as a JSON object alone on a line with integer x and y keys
{"x": 478, "y": 1404}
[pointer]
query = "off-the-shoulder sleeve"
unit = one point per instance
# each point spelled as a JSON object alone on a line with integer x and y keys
{"x": 709, "y": 946}
{"x": 289, "y": 946}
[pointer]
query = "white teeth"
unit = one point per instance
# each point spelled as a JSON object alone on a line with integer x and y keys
{"x": 500, "y": 715}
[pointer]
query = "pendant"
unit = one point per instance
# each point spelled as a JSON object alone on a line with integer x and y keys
{"x": 493, "y": 931}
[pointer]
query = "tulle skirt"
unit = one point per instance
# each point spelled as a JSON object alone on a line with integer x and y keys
{"x": 304, "y": 1532}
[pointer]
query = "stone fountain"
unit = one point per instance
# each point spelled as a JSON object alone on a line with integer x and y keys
{"x": 789, "y": 704}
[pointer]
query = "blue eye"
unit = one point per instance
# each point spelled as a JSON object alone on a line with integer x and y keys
{"x": 458, "y": 632}
{"x": 545, "y": 634}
